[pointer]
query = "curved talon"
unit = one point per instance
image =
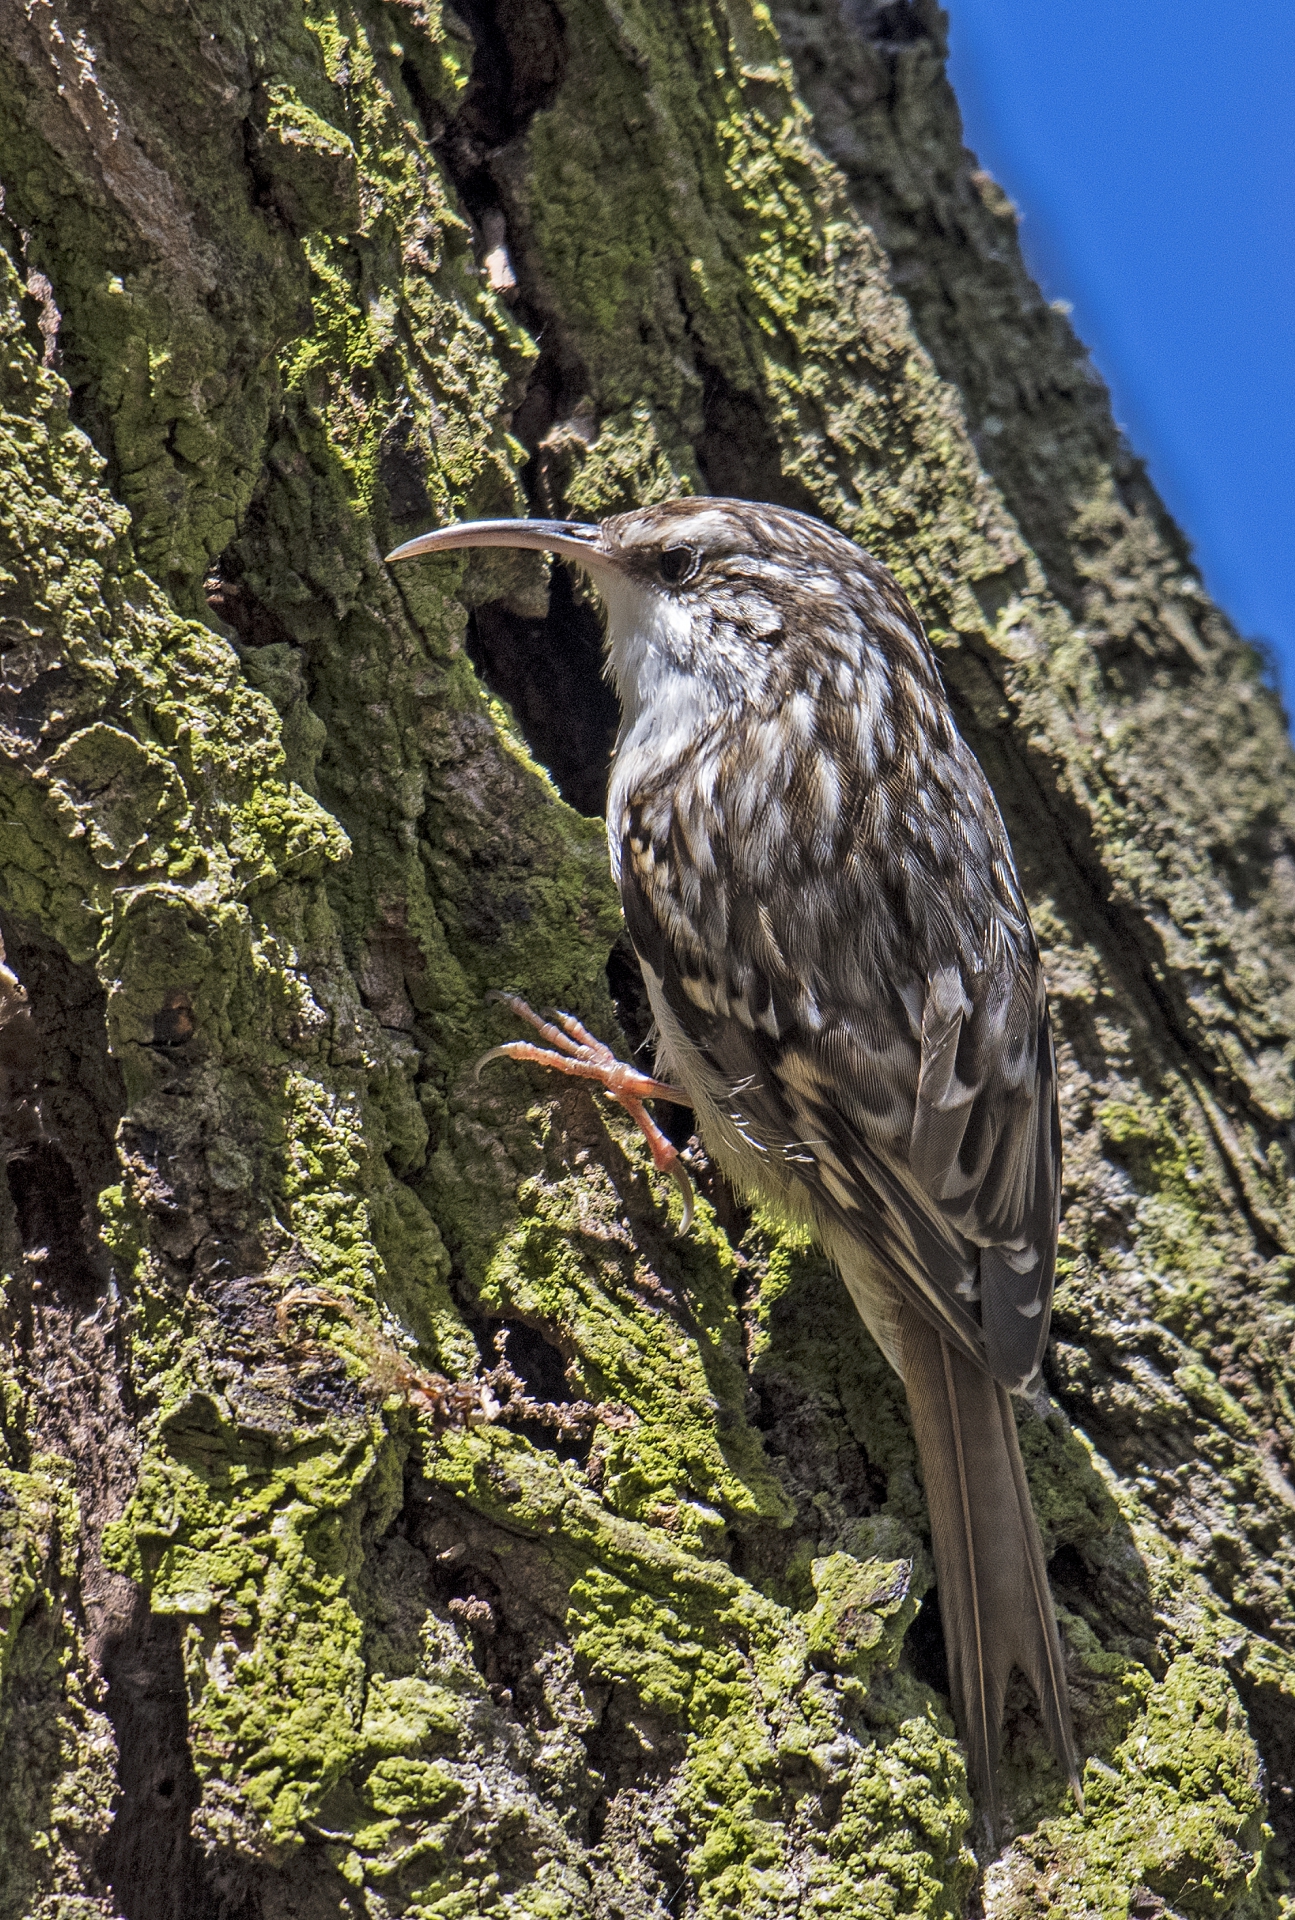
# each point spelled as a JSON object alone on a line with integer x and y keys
{"x": 492, "y": 1053}
{"x": 679, "y": 1174}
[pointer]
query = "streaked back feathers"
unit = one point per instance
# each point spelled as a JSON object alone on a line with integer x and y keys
{"x": 820, "y": 888}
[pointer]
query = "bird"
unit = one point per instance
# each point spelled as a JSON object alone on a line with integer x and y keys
{"x": 848, "y": 993}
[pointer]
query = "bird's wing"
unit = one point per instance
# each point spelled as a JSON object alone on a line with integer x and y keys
{"x": 919, "y": 1112}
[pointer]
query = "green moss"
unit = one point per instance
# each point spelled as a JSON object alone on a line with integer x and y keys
{"x": 769, "y": 279}
{"x": 637, "y": 460}
{"x": 56, "y": 1747}
{"x": 863, "y": 1611}
{"x": 1180, "y": 1812}
{"x": 687, "y": 1461}
{"x": 242, "y": 1522}
{"x": 766, "y": 1737}
{"x": 35, "y": 1513}
{"x": 298, "y": 868}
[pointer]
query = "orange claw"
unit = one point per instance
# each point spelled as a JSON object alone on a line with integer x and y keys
{"x": 573, "y": 1049}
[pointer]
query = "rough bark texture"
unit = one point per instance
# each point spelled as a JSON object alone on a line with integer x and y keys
{"x": 290, "y": 1630}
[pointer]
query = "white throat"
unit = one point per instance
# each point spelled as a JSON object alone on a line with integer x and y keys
{"x": 664, "y": 707}
{"x": 648, "y": 632}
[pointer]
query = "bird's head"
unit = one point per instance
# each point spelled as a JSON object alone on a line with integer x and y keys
{"x": 740, "y": 600}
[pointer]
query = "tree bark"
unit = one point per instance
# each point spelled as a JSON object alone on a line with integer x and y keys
{"x": 397, "y": 1517}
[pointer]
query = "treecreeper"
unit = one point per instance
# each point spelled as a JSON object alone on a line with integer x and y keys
{"x": 847, "y": 991}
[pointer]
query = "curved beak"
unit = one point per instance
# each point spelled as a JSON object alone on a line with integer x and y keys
{"x": 573, "y": 539}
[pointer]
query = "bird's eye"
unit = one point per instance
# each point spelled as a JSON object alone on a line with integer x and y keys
{"x": 678, "y": 565}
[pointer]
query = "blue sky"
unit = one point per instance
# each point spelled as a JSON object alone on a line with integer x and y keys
{"x": 1151, "y": 150}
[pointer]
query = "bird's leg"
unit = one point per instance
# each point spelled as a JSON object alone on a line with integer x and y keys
{"x": 573, "y": 1049}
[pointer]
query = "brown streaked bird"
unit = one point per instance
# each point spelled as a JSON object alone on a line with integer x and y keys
{"x": 847, "y": 992}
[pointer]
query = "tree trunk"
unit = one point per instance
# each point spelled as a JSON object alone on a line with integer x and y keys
{"x": 397, "y": 1517}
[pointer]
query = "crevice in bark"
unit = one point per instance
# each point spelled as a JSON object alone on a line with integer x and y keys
{"x": 550, "y": 672}
{"x": 634, "y": 1751}
{"x": 40, "y": 1180}
{"x": 78, "y": 1086}
{"x": 148, "y": 1858}
{"x": 231, "y": 601}
{"x": 737, "y": 449}
{"x": 558, "y": 390}
{"x": 822, "y": 1466}
{"x": 65, "y": 1098}
{"x": 535, "y": 1357}
{"x": 1271, "y": 1724}
{"x": 924, "y": 1652}
{"x": 502, "y": 1592}
{"x": 518, "y": 64}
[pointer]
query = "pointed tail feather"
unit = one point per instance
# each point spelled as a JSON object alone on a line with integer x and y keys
{"x": 994, "y": 1599}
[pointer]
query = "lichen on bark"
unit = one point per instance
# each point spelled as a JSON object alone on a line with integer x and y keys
{"x": 282, "y": 1634}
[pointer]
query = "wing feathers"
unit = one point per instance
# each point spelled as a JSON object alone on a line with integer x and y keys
{"x": 922, "y": 1116}
{"x": 943, "y": 1102}
{"x": 847, "y": 986}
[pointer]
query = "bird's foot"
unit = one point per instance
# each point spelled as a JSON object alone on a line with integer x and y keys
{"x": 573, "y": 1049}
